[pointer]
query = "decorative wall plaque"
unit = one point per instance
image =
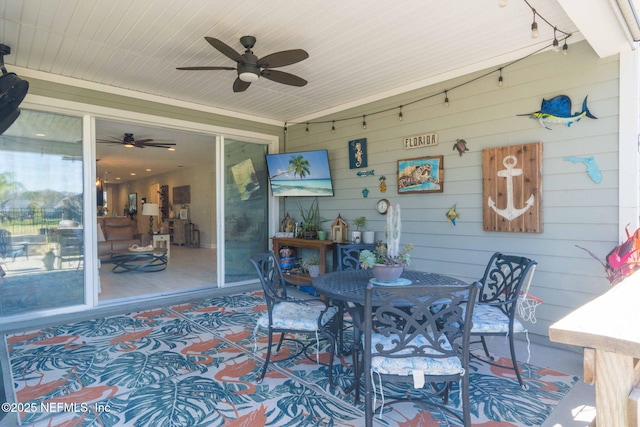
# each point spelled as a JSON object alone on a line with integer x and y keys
{"x": 358, "y": 153}
{"x": 419, "y": 141}
{"x": 512, "y": 188}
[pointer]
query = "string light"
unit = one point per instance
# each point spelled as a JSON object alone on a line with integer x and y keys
{"x": 534, "y": 33}
{"x": 534, "y": 26}
{"x": 285, "y": 127}
{"x": 556, "y": 30}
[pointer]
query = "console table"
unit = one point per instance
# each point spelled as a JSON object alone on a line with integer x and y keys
{"x": 320, "y": 245}
{"x": 176, "y": 229}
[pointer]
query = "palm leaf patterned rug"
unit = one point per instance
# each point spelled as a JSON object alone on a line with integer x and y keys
{"x": 194, "y": 365}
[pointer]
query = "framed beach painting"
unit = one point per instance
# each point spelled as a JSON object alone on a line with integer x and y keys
{"x": 421, "y": 175}
{"x": 304, "y": 173}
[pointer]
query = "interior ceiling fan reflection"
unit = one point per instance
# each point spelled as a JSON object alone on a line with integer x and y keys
{"x": 130, "y": 142}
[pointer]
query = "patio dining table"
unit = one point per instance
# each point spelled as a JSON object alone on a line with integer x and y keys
{"x": 349, "y": 286}
{"x": 347, "y": 290}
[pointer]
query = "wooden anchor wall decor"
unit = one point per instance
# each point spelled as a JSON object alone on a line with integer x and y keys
{"x": 512, "y": 188}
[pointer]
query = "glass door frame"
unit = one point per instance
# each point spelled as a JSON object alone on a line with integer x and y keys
{"x": 272, "y": 205}
{"x": 89, "y": 113}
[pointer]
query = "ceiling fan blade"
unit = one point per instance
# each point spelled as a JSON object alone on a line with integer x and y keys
{"x": 158, "y": 144}
{"x": 282, "y": 77}
{"x": 205, "y": 68}
{"x": 225, "y": 49}
{"x": 280, "y": 59}
{"x": 111, "y": 139}
{"x": 240, "y": 86}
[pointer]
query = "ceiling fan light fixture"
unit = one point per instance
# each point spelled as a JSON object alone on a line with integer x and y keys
{"x": 248, "y": 77}
{"x": 129, "y": 145}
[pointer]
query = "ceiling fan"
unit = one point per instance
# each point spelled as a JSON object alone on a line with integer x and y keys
{"x": 250, "y": 68}
{"x": 129, "y": 141}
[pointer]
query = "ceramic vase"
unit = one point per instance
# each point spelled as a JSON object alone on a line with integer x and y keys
{"x": 368, "y": 237}
{"x": 387, "y": 273}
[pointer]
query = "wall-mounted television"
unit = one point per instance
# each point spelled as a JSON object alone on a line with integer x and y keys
{"x": 303, "y": 173}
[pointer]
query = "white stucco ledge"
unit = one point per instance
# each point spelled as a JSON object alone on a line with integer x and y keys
{"x": 608, "y": 328}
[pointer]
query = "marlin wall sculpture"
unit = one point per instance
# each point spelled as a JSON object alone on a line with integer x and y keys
{"x": 558, "y": 110}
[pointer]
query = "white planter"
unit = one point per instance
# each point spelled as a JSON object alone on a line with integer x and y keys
{"x": 314, "y": 270}
{"x": 369, "y": 237}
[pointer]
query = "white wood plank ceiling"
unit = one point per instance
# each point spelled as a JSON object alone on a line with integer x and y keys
{"x": 359, "y": 49}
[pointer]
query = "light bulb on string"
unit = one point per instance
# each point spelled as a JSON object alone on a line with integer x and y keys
{"x": 534, "y": 26}
{"x": 333, "y": 127}
{"x": 285, "y": 127}
{"x": 400, "y": 114}
{"x": 500, "y": 79}
{"x": 556, "y": 44}
{"x": 306, "y": 130}
{"x": 364, "y": 122}
{"x": 565, "y": 47}
{"x": 446, "y": 99}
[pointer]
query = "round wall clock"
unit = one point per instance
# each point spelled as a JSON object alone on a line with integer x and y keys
{"x": 382, "y": 206}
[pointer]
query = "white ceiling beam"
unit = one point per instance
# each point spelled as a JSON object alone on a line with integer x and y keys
{"x": 598, "y": 23}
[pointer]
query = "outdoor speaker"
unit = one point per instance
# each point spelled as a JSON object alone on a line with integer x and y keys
{"x": 12, "y": 91}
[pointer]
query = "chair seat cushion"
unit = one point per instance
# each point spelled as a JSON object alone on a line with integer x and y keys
{"x": 407, "y": 365}
{"x": 301, "y": 316}
{"x": 489, "y": 319}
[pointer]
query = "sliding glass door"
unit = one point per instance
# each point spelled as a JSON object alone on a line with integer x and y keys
{"x": 41, "y": 214}
{"x": 246, "y": 208}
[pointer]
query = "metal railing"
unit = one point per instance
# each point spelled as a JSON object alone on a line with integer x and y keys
{"x": 31, "y": 222}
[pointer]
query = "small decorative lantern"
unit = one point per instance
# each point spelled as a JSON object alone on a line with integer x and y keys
{"x": 288, "y": 225}
{"x": 339, "y": 230}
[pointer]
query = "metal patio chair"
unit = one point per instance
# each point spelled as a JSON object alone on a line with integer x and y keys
{"x": 290, "y": 316}
{"x": 495, "y": 311}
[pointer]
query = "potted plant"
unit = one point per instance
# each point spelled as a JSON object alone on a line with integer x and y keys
{"x": 387, "y": 261}
{"x": 311, "y": 221}
{"x": 311, "y": 265}
{"x": 359, "y": 222}
{"x": 49, "y": 259}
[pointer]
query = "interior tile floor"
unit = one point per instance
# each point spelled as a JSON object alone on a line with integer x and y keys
{"x": 187, "y": 268}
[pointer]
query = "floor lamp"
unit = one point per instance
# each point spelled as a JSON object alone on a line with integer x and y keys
{"x": 150, "y": 209}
